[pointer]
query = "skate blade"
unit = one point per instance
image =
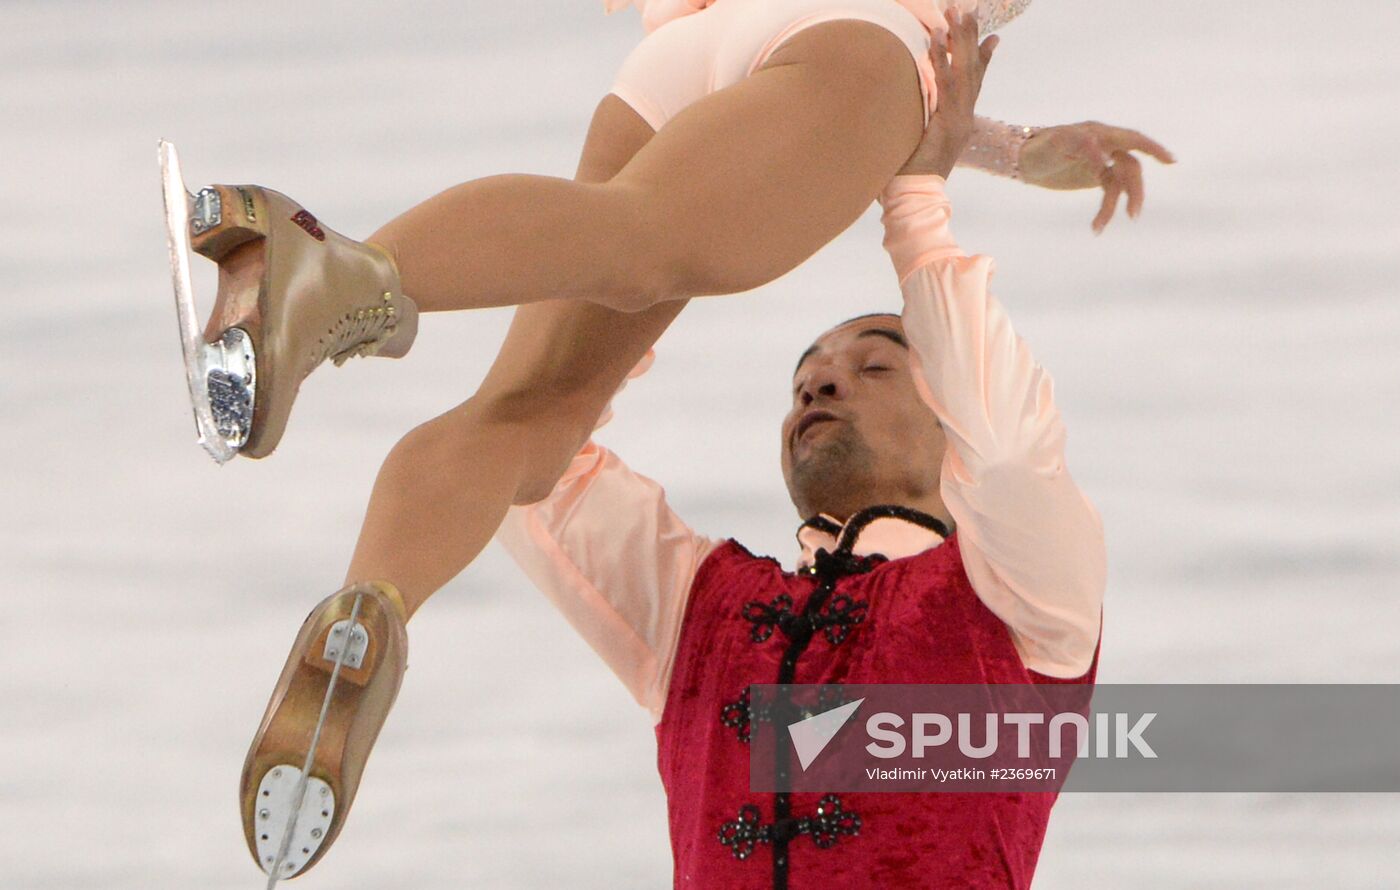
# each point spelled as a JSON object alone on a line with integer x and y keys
{"x": 277, "y": 793}
{"x": 219, "y": 375}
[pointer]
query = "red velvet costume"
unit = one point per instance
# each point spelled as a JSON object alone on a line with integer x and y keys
{"x": 910, "y": 620}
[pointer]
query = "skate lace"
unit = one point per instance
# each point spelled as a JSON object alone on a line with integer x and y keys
{"x": 359, "y": 332}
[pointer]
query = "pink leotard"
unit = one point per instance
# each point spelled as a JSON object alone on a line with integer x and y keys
{"x": 706, "y": 46}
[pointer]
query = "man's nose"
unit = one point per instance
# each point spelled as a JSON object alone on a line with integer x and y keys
{"x": 826, "y": 382}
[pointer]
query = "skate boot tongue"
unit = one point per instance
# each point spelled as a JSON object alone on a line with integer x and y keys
{"x": 360, "y": 332}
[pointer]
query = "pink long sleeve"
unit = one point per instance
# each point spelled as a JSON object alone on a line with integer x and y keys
{"x": 616, "y": 560}
{"x": 1032, "y": 543}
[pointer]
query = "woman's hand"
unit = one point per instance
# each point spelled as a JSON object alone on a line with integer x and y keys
{"x": 1081, "y": 156}
{"x": 959, "y": 80}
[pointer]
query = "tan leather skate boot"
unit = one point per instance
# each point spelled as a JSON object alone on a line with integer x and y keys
{"x": 305, "y": 763}
{"x": 299, "y": 294}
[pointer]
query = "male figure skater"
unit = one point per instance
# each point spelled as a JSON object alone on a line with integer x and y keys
{"x": 944, "y": 541}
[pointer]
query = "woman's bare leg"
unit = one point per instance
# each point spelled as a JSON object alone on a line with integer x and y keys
{"x": 445, "y": 487}
{"x": 737, "y": 189}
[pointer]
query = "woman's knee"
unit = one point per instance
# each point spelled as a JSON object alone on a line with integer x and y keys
{"x": 533, "y": 438}
{"x": 544, "y": 445}
{"x": 650, "y": 266}
{"x": 447, "y": 444}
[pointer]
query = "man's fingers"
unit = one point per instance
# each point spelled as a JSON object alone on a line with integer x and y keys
{"x": 989, "y": 46}
{"x": 958, "y": 37}
{"x": 952, "y": 16}
{"x": 965, "y": 45}
{"x": 1128, "y": 171}
{"x": 959, "y": 61}
{"x": 938, "y": 57}
{"x": 942, "y": 72}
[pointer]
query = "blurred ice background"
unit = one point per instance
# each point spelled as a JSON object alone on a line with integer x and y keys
{"x": 1226, "y": 365}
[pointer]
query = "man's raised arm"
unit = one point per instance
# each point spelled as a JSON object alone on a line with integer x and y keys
{"x": 1032, "y": 544}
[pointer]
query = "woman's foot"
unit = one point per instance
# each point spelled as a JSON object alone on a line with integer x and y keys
{"x": 292, "y": 293}
{"x": 305, "y": 763}
{"x": 300, "y": 294}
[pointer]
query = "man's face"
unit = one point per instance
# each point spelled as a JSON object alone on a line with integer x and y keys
{"x": 858, "y": 434}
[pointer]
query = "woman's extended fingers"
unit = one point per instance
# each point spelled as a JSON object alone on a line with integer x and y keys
{"x": 1128, "y": 171}
{"x": 1123, "y": 176}
{"x": 1123, "y": 139}
{"x": 1111, "y": 190}
{"x": 1076, "y": 156}
{"x": 1124, "y": 173}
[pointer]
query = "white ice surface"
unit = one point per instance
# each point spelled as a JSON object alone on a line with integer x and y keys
{"x": 1227, "y": 367}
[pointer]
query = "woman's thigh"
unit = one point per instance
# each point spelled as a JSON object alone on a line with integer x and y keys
{"x": 562, "y": 360}
{"x": 744, "y": 184}
{"x": 754, "y": 178}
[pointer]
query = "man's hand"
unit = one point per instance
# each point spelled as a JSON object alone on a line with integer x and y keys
{"x": 1081, "y": 156}
{"x": 958, "y": 80}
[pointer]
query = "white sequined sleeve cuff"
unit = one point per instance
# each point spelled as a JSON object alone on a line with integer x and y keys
{"x": 996, "y": 147}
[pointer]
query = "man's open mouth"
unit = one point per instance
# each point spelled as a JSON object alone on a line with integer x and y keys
{"x": 809, "y": 420}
